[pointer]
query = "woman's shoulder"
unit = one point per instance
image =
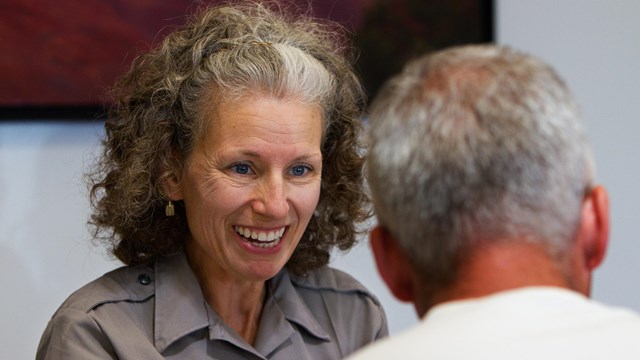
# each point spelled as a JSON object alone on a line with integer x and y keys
{"x": 339, "y": 292}
{"x": 333, "y": 280}
{"x": 127, "y": 283}
{"x": 91, "y": 320}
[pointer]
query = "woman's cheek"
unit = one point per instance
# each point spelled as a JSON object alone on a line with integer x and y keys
{"x": 309, "y": 199}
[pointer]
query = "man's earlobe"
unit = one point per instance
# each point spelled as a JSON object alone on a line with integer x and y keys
{"x": 393, "y": 266}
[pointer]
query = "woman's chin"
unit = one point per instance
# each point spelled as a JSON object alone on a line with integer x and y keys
{"x": 263, "y": 271}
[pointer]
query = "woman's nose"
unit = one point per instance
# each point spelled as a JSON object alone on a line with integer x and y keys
{"x": 272, "y": 198}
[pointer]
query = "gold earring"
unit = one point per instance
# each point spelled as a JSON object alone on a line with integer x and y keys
{"x": 169, "y": 210}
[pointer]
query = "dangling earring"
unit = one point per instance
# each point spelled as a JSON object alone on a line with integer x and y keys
{"x": 169, "y": 210}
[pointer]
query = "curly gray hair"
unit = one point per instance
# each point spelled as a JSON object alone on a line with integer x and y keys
{"x": 227, "y": 52}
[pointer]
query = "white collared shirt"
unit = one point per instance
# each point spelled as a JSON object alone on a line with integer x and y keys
{"x": 529, "y": 323}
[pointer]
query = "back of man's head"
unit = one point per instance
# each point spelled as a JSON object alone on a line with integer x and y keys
{"x": 477, "y": 145}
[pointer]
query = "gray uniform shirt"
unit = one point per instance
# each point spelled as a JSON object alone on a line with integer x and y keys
{"x": 139, "y": 312}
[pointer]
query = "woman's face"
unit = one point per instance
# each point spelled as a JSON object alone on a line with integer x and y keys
{"x": 251, "y": 186}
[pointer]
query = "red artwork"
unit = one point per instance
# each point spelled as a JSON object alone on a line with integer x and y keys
{"x": 67, "y": 53}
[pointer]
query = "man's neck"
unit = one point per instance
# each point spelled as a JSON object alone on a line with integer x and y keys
{"x": 492, "y": 268}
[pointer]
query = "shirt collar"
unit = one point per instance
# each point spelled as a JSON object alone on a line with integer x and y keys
{"x": 180, "y": 306}
{"x": 282, "y": 307}
{"x": 288, "y": 302}
{"x": 181, "y": 309}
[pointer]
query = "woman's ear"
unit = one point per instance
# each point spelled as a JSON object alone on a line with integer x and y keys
{"x": 171, "y": 183}
{"x": 393, "y": 266}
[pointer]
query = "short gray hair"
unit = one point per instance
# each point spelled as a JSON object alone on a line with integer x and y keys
{"x": 475, "y": 144}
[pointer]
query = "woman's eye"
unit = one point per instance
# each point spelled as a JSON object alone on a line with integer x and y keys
{"x": 300, "y": 170}
{"x": 242, "y": 169}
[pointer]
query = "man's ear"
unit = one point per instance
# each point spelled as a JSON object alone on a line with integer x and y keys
{"x": 392, "y": 264}
{"x": 593, "y": 233}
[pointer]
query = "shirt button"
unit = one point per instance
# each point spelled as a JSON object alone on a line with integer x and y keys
{"x": 144, "y": 279}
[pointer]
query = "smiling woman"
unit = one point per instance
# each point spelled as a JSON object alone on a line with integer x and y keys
{"x": 231, "y": 169}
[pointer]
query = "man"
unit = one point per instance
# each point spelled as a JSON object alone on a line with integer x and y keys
{"x": 489, "y": 219}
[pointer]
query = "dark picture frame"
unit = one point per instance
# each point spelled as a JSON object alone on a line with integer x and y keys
{"x": 57, "y": 61}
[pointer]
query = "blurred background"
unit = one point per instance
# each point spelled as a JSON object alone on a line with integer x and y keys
{"x": 56, "y": 69}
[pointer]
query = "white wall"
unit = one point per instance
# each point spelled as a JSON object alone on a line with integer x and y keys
{"x": 45, "y": 252}
{"x": 45, "y": 248}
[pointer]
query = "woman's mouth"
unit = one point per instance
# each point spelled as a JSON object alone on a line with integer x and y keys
{"x": 263, "y": 239}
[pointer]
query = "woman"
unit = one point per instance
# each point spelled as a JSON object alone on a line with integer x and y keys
{"x": 231, "y": 170}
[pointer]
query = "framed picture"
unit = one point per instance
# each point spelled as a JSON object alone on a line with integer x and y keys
{"x": 59, "y": 58}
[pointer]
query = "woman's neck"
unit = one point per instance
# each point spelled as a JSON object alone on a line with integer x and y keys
{"x": 238, "y": 302}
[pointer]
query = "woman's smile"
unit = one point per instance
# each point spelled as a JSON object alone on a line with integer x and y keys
{"x": 261, "y": 238}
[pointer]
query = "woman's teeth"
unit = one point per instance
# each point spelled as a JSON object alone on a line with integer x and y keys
{"x": 265, "y": 239}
